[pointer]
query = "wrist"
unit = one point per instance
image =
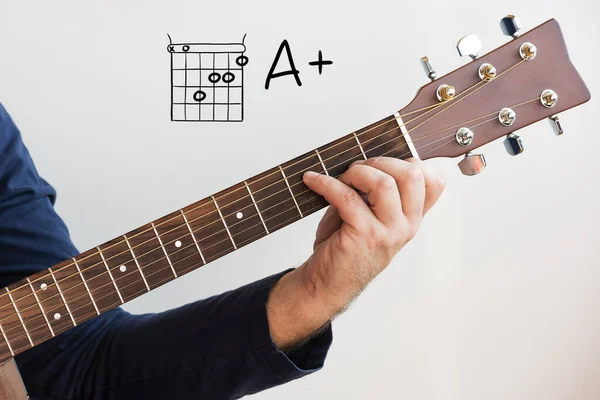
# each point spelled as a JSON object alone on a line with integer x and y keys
{"x": 294, "y": 312}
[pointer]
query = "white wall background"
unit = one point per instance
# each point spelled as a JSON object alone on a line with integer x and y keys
{"x": 496, "y": 298}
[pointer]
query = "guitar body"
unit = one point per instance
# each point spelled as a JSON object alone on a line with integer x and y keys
{"x": 11, "y": 384}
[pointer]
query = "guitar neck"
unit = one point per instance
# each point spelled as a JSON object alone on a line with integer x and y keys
{"x": 55, "y": 300}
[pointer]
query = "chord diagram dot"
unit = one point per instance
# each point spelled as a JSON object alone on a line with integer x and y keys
{"x": 43, "y": 286}
{"x": 228, "y": 77}
{"x": 241, "y": 61}
{"x": 239, "y": 215}
{"x": 123, "y": 268}
{"x": 178, "y": 244}
{"x": 199, "y": 95}
{"x": 57, "y": 316}
{"x": 215, "y": 77}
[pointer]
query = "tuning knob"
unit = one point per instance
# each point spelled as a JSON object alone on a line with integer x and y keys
{"x": 472, "y": 164}
{"x": 511, "y": 26}
{"x": 429, "y": 71}
{"x": 513, "y": 144}
{"x": 557, "y": 125}
{"x": 469, "y": 46}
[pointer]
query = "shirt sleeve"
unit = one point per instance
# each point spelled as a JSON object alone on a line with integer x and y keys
{"x": 217, "y": 348}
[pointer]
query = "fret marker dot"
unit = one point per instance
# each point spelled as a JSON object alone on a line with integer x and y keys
{"x": 122, "y": 268}
{"x": 239, "y": 215}
{"x": 43, "y": 286}
{"x": 178, "y": 244}
{"x": 57, "y": 316}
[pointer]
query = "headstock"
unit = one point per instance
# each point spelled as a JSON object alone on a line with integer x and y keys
{"x": 524, "y": 81}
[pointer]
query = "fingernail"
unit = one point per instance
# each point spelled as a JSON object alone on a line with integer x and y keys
{"x": 358, "y": 162}
{"x": 311, "y": 174}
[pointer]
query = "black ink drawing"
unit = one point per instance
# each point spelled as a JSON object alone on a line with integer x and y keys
{"x": 207, "y": 81}
{"x": 320, "y": 62}
{"x": 293, "y": 70}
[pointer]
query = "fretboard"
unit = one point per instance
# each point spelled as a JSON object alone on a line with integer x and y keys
{"x": 55, "y": 300}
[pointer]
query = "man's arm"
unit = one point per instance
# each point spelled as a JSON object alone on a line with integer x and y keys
{"x": 215, "y": 348}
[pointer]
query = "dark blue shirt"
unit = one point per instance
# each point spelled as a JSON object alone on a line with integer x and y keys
{"x": 218, "y": 348}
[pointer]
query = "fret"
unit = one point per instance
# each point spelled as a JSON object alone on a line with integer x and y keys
{"x": 62, "y": 297}
{"x": 162, "y": 246}
{"x": 51, "y": 301}
{"x": 322, "y": 163}
{"x": 256, "y": 207}
{"x": 240, "y": 215}
{"x": 5, "y": 344}
{"x": 101, "y": 285}
{"x": 70, "y": 284}
{"x": 204, "y": 220}
{"x": 28, "y": 311}
{"x": 14, "y": 330}
{"x": 28, "y": 308}
{"x": 193, "y": 236}
{"x": 150, "y": 256}
{"x": 307, "y": 200}
{"x": 137, "y": 264}
{"x": 110, "y": 275}
{"x": 224, "y": 223}
{"x": 272, "y": 196}
{"x": 41, "y": 307}
{"x": 178, "y": 242}
{"x": 121, "y": 265}
{"x": 20, "y": 317}
{"x": 359, "y": 145}
{"x": 339, "y": 154}
{"x": 290, "y": 189}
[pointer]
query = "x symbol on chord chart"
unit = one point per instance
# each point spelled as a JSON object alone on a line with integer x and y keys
{"x": 171, "y": 49}
{"x": 320, "y": 62}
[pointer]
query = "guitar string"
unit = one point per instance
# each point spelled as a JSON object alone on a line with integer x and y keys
{"x": 248, "y": 206}
{"x": 271, "y": 196}
{"x": 432, "y": 107}
{"x": 189, "y": 269}
{"x": 383, "y": 122}
{"x": 258, "y": 180}
{"x": 237, "y": 234}
{"x": 91, "y": 315}
{"x": 435, "y": 106}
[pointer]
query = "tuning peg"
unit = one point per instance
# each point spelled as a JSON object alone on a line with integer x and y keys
{"x": 510, "y": 26}
{"x": 469, "y": 46}
{"x": 472, "y": 164}
{"x": 556, "y": 124}
{"x": 513, "y": 144}
{"x": 429, "y": 71}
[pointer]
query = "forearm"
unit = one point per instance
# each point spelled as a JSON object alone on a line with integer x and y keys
{"x": 298, "y": 308}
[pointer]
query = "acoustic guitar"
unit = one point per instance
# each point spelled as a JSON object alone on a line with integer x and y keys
{"x": 526, "y": 80}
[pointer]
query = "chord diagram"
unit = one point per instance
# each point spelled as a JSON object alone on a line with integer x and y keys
{"x": 207, "y": 81}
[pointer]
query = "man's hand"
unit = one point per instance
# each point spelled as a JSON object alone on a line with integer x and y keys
{"x": 355, "y": 241}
